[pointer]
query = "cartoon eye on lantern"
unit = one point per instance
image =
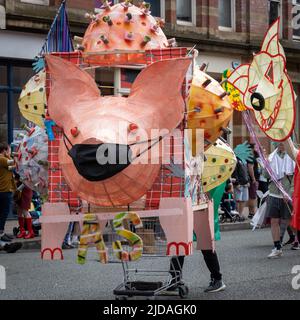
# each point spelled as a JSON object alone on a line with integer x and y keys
{"x": 257, "y": 101}
{"x": 267, "y": 89}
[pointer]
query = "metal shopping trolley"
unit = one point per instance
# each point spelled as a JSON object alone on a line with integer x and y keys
{"x": 155, "y": 274}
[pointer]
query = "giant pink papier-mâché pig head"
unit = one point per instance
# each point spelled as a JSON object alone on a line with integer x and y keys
{"x": 107, "y": 152}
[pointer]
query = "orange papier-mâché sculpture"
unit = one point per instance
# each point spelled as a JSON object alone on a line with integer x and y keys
{"x": 209, "y": 107}
{"x": 122, "y": 28}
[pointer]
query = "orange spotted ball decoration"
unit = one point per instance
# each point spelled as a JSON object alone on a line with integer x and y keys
{"x": 209, "y": 108}
{"x": 122, "y": 27}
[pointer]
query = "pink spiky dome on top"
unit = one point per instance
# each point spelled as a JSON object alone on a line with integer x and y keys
{"x": 122, "y": 27}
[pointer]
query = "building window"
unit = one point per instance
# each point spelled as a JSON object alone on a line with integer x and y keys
{"x": 157, "y": 8}
{"x": 41, "y": 2}
{"x": 186, "y": 12}
{"x": 13, "y": 76}
{"x": 296, "y": 20}
{"x": 3, "y": 75}
{"x": 128, "y": 77}
{"x": 105, "y": 81}
{"x": 227, "y": 15}
{"x": 3, "y": 116}
{"x": 2, "y": 17}
{"x": 275, "y": 11}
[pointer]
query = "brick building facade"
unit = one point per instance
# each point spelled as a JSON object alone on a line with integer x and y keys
{"x": 225, "y": 32}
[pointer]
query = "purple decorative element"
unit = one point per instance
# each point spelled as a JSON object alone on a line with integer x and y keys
{"x": 59, "y": 36}
{"x": 106, "y": 4}
{"x": 266, "y": 163}
{"x": 129, "y": 36}
{"x": 154, "y": 27}
{"x": 146, "y": 12}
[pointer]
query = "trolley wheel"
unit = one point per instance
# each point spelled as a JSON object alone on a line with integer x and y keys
{"x": 183, "y": 291}
{"x": 122, "y": 298}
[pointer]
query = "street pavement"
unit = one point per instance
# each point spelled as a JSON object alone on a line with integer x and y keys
{"x": 247, "y": 272}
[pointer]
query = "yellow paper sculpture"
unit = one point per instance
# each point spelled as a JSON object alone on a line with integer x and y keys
{"x": 267, "y": 89}
{"x": 32, "y": 100}
{"x": 219, "y": 165}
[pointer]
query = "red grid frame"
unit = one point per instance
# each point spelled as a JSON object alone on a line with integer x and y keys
{"x": 58, "y": 189}
{"x": 167, "y": 185}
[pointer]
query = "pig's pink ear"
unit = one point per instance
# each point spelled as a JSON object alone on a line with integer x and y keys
{"x": 158, "y": 89}
{"x": 69, "y": 84}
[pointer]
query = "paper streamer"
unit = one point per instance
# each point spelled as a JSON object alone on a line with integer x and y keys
{"x": 91, "y": 233}
{"x": 266, "y": 164}
{"x": 134, "y": 240}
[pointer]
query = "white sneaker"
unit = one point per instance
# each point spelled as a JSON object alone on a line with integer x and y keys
{"x": 295, "y": 246}
{"x": 275, "y": 254}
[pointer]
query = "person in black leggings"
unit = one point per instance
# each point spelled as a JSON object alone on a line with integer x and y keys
{"x": 212, "y": 262}
{"x": 296, "y": 245}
